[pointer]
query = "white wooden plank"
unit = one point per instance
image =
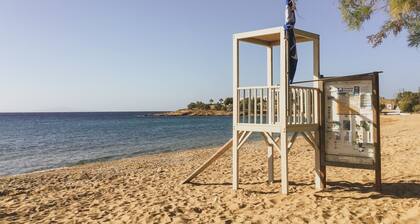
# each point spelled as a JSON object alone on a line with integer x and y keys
{"x": 213, "y": 158}
{"x": 249, "y": 106}
{"x": 284, "y": 84}
{"x": 235, "y": 158}
{"x": 258, "y": 127}
{"x": 241, "y": 143}
{"x": 270, "y": 158}
{"x": 319, "y": 185}
{"x": 301, "y": 103}
{"x": 256, "y": 41}
{"x": 255, "y": 106}
{"x": 243, "y": 107}
{"x": 292, "y": 141}
{"x": 261, "y": 105}
{"x": 242, "y": 135}
{"x": 235, "y": 75}
{"x": 295, "y": 100}
{"x": 257, "y": 33}
{"x": 235, "y": 161}
{"x": 271, "y": 140}
{"x": 320, "y": 169}
{"x": 308, "y": 106}
{"x": 302, "y": 127}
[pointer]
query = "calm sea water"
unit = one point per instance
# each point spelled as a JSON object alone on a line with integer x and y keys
{"x": 37, "y": 141}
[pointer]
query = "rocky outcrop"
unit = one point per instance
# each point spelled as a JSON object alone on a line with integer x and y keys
{"x": 196, "y": 112}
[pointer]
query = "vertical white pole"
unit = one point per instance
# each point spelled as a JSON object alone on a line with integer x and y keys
{"x": 249, "y": 106}
{"x": 313, "y": 106}
{"x": 306, "y": 106}
{"x": 295, "y": 101}
{"x": 243, "y": 106}
{"x": 284, "y": 85}
{"x": 301, "y": 105}
{"x": 270, "y": 159}
{"x": 235, "y": 161}
{"x": 261, "y": 105}
{"x": 235, "y": 156}
{"x": 278, "y": 106}
{"x": 319, "y": 167}
{"x": 255, "y": 105}
{"x": 289, "y": 109}
{"x": 269, "y": 84}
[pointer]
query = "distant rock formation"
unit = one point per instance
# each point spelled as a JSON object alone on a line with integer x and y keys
{"x": 196, "y": 112}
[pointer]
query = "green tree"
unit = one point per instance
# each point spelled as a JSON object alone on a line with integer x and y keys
{"x": 416, "y": 108}
{"x": 382, "y": 106}
{"x": 211, "y": 101}
{"x": 228, "y": 101}
{"x": 200, "y": 105}
{"x": 192, "y": 106}
{"x": 405, "y": 106}
{"x": 401, "y": 15}
{"x": 407, "y": 101}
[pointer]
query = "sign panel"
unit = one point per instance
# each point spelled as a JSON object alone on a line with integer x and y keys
{"x": 350, "y": 122}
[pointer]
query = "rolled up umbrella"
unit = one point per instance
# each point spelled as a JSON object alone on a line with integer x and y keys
{"x": 290, "y": 33}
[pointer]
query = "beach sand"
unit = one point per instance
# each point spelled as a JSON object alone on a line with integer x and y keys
{"x": 146, "y": 189}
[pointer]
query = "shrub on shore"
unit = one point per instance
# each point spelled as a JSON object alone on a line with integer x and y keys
{"x": 221, "y": 105}
{"x": 408, "y": 101}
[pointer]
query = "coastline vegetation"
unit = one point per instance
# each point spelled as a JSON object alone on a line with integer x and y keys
{"x": 221, "y": 105}
{"x": 408, "y": 101}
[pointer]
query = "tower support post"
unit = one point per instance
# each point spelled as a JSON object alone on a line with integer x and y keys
{"x": 235, "y": 156}
{"x": 270, "y": 159}
{"x": 284, "y": 88}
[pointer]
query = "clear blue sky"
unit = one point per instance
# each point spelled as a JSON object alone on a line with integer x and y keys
{"x": 142, "y": 55}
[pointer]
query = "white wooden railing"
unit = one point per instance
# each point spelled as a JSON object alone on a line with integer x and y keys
{"x": 303, "y": 105}
{"x": 261, "y": 105}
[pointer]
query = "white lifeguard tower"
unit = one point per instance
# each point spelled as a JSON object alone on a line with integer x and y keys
{"x": 280, "y": 112}
{"x": 276, "y": 108}
{"x": 283, "y": 109}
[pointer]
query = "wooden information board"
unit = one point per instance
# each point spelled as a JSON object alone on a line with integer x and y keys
{"x": 351, "y": 123}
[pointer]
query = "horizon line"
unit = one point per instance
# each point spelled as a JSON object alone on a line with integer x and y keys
{"x": 110, "y": 111}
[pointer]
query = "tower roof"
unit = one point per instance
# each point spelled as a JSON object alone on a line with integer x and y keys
{"x": 271, "y": 36}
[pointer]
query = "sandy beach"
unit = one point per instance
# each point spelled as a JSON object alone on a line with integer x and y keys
{"x": 146, "y": 189}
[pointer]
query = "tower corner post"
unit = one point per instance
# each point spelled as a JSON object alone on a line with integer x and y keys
{"x": 377, "y": 133}
{"x": 320, "y": 168}
{"x": 235, "y": 156}
{"x": 270, "y": 159}
{"x": 284, "y": 88}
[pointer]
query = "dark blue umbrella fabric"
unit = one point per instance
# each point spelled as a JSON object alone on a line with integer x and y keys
{"x": 289, "y": 27}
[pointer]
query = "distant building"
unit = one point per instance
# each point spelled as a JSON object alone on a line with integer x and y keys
{"x": 390, "y": 106}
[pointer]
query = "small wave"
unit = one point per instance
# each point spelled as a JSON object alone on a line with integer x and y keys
{"x": 94, "y": 160}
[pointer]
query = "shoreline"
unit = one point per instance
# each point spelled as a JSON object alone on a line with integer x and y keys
{"x": 141, "y": 155}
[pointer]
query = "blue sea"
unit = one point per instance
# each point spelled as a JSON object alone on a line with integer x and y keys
{"x": 37, "y": 141}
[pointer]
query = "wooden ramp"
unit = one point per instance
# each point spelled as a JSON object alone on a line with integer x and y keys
{"x": 213, "y": 158}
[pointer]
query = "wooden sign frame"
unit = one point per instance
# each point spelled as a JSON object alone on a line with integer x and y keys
{"x": 376, "y": 166}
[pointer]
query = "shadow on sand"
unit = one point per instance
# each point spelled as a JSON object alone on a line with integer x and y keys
{"x": 392, "y": 190}
{"x": 226, "y": 183}
{"x": 291, "y": 183}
